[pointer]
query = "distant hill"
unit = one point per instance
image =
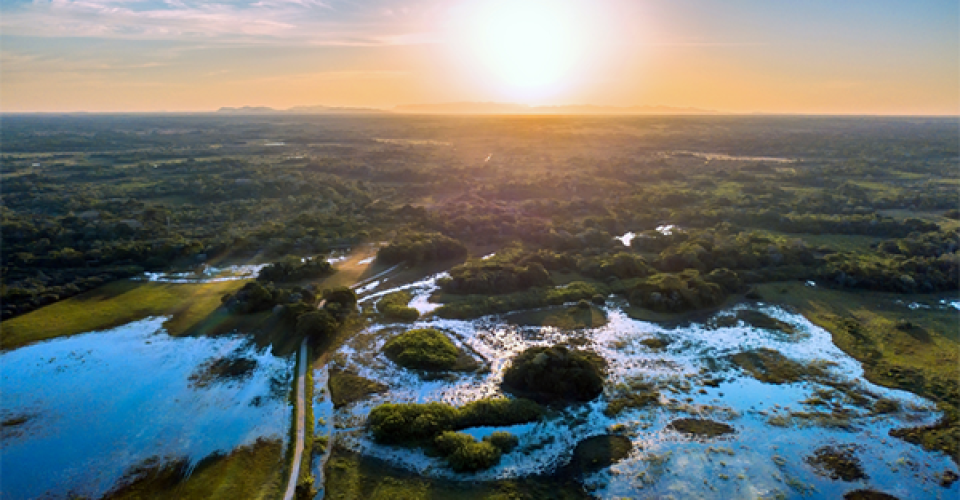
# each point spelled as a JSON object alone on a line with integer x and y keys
{"x": 299, "y": 110}
{"x": 512, "y": 108}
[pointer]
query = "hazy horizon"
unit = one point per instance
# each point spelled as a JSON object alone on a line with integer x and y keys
{"x": 822, "y": 58}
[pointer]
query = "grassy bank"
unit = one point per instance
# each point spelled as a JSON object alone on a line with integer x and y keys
{"x": 306, "y": 459}
{"x": 350, "y": 476}
{"x": 917, "y": 350}
{"x": 115, "y": 304}
{"x": 248, "y": 472}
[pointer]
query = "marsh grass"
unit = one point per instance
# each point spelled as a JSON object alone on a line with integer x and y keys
{"x": 564, "y": 318}
{"x": 865, "y": 326}
{"x": 118, "y": 303}
{"x": 251, "y": 471}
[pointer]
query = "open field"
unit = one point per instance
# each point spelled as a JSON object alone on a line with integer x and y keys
{"x": 118, "y": 303}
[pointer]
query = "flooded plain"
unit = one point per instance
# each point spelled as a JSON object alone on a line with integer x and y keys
{"x": 792, "y": 406}
{"x": 81, "y": 412}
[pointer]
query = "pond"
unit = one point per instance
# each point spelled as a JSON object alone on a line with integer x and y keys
{"x": 701, "y": 370}
{"x": 80, "y": 412}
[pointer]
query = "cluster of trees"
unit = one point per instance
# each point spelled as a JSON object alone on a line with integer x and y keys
{"x": 292, "y": 268}
{"x": 298, "y": 306}
{"x": 494, "y": 276}
{"x": 465, "y": 454}
{"x": 416, "y": 248}
{"x": 394, "y": 307}
{"x": 422, "y": 349}
{"x": 555, "y": 373}
{"x": 410, "y": 422}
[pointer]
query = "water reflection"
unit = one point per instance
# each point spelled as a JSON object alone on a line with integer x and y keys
{"x": 102, "y": 402}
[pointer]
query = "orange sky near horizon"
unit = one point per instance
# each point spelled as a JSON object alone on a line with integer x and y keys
{"x": 746, "y": 56}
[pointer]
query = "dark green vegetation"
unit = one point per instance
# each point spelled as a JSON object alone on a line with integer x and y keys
{"x": 583, "y": 315}
{"x": 346, "y": 387}
{"x": 867, "y": 495}
{"x": 598, "y": 452}
{"x": 394, "y": 307}
{"x": 866, "y": 208}
{"x": 406, "y": 422}
{"x": 465, "y": 454}
{"x": 837, "y": 462}
{"x": 555, "y": 374}
{"x": 700, "y": 428}
{"x": 422, "y": 349}
{"x": 418, "y": 248}
{"x": 353, "y": 477}
{"x": 292, "y": 268}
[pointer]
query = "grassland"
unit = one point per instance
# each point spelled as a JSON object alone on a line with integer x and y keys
{"x": 250, "y": 472}
{"x": 917, "y": 350}
{"x": 114, "y": 304}
{"x": 353, "y": 477}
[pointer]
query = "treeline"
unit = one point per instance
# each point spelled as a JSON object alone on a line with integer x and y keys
{"x": 416, "y": 248}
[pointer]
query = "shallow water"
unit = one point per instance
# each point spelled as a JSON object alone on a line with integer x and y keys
{"x": 760, "y": 459}
{"x": 99, "y": 403}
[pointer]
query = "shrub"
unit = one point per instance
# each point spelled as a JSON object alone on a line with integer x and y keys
{"x": 417, "y": 248}
{"x": 394, "y": 306}
{"x": 317, "y": 324}
{"x": 392, "y": 423}
{"x": 292, "y": 268}
{"x": 474, "y": 457}
{"x": 449, "y": 442}
{"x": 555, "y": 373}
{"x": 498, "y": 412}
{"x": 425, "y": 349}
{"x": 503, "y": 440}
{"x": 342, "y": 296}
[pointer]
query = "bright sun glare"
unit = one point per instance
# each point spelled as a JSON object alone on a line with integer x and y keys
{"x": 527, "y": 45}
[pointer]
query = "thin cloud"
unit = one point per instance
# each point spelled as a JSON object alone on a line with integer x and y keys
{"x": 263, "y": 21}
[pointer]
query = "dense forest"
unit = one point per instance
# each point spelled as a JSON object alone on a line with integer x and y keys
{"x": 91, "y": 199}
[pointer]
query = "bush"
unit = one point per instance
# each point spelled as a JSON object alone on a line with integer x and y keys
{"x": 555, "y": 374}
{"x": 497, "y": 412}
{"x": 448, "y": 442}
{"x": 494, "y": 276}
{"x": 394, "y": 306}
{"x": 503, "y": 440}
{"x": 417, "y": 248}
{"x": 342, "y": 296}
{"x": 394, "y": 423}
{"x": 292, "y": 268}
{"x": 317, "y": 324}
{"x": 474, "y": 457}
{"x": 677, "y": 292}
{"x": 424, "y": 349}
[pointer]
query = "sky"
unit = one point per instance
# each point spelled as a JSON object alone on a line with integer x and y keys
{"x": 738, "y": 56}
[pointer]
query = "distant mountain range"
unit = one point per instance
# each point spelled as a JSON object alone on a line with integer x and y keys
{"x": 575, "y": 109}
{"x": 476, "y": 108}
{"x": 296, "y": 110}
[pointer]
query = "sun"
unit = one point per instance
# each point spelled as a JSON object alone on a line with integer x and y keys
{"x": 525, "y": 45}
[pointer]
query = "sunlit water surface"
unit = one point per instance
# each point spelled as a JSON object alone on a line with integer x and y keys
{"x": 100, "y": 403}
{"x": 760, "y": 459}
